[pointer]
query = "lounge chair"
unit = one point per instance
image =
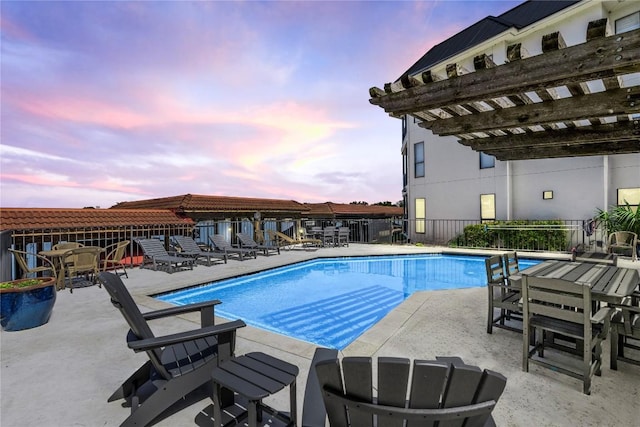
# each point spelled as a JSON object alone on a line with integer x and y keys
{"x": 178, "y": 364}
{"x": 221, "y": 245}
{"x": 114, "y": 255}
{"x": 563, "y": 307}
{"x": 191, "y": 249}
{"x": 247, "y": 242}
{"x": 445, "y": 390}
{"x": 287, "y": 242}
{"x": 156, "y": 255}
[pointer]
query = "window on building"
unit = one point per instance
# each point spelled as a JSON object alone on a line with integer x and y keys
{"x": 404, "y": 126}
{"x": 418, "y": 156}
{"x": 421, "y": 214}
{"x": 487, "y": 161}
{"x": 630, "y": 196}
{"x": 488, "y": 207}
{"x": 628, "y": 23}
{"x": 405, "y": 166}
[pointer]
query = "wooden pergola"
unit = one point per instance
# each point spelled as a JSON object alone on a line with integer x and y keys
{"x": 566, "y": 102}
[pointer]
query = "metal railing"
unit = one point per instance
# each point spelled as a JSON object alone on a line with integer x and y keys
{"x": 36, "y": 240}
{"x": 360, "y": 230}
{"x": 564, "y": 236}
{"x": 557, "y": 235}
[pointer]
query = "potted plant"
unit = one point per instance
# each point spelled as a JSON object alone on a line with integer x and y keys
{"x": 26, "y": 303}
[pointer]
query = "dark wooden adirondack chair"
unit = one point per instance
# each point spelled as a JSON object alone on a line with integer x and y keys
{"x": 444, "y": 391}
{"x": 502, "y": 296}
{"x": 314, "y": 413}
{"x": 178, "y": 364}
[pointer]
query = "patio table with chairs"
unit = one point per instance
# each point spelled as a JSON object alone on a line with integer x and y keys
{"x": 65, "y": 261}
{"x": 572, "y": 305}
{"x": 610, "y": 284}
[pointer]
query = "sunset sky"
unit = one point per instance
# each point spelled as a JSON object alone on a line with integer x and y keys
{"x": 105, "y": 102}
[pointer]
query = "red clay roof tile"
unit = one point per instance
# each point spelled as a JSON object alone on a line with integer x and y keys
{"x": 46, "y": 218}
{"x": 194, "y": 202}
{"x": 331, "y": 208}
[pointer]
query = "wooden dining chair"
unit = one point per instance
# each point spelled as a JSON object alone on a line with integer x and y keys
{"x": 563, "y": 307}
{"x": 501, "y": 296}
{"x": 511, "y": 264}
{"x": 625, "y": 332}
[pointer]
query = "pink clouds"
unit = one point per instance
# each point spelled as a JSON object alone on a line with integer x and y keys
{"x": 133, "y": 100}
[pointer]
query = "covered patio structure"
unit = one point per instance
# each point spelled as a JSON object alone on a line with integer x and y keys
{"x": 582, "y": 100}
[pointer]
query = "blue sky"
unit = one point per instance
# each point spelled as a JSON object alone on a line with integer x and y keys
{"x": 104, "y": 102}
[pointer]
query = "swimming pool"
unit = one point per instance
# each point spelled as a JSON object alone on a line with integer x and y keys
{"x": 331, "y": 301}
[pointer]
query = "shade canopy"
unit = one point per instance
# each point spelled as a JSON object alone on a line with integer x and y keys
{"x": 582, "y": 100}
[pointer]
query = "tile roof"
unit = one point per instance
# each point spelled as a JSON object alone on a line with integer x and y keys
{"x": 139, "y": 213}
{"x": 344, "y": 209}
{"x": 518, "y": 17}
{"x": 194, "y": 202}
{"x": 45, "y": 218}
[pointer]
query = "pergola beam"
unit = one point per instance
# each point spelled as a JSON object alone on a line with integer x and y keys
{"x": 628, "y": 131}
{"x": 596, "y": 59}
{"x": 584, "y": 107}
{"x": 597, "y": 149}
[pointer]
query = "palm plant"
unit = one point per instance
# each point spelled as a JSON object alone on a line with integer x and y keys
{"x": 620, "y": 218}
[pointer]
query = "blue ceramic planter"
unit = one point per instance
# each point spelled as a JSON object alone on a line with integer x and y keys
{"x": 24, "y": 308}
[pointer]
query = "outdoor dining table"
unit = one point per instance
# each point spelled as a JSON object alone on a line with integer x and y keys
{"x": 57, "y": 258}
{"x": 609, "y": 284}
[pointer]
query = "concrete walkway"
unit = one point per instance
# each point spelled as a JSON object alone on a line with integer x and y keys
{"x": 62, "y": 373}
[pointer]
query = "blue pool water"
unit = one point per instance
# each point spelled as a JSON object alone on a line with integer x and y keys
{"x": 331, "y": 301}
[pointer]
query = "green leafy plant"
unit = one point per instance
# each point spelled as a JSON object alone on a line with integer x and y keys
{"x": 520, "y": 234}
{"x": 620, "y": 218}
{"x": 20, "y": 284}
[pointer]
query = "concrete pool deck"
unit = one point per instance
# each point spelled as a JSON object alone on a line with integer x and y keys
{"x": 62, "y": 373}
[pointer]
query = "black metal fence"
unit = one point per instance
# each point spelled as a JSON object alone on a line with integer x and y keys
{"x": 562, "y": 235}
{"x": 556, "y": 235}
{"x": 360, "y": 230}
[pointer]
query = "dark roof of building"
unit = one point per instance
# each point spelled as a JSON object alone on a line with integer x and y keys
{"x": 47, "y": 218}
{"x": 194, "y": 202}
{"x": 519, "y": 17}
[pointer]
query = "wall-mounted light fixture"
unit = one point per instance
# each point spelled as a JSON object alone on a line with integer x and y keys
{"x": 546, "y": 195}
